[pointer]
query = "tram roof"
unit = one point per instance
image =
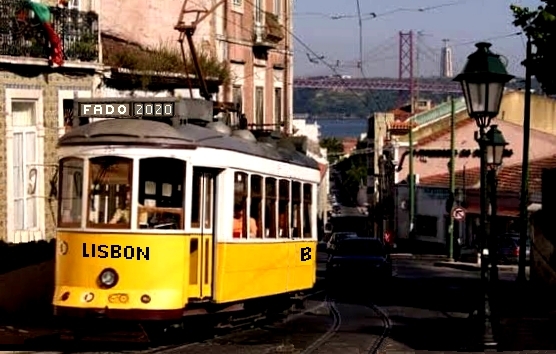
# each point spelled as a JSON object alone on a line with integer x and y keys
{"x": 138, "y": 132}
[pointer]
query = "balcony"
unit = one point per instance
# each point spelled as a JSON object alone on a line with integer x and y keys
{"x": 22, "y": 35}
{"x": 268, "y": 36}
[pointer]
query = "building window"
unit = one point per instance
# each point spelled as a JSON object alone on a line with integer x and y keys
{"x": 278, "y": 106}
{"x": 259, "y": 106}
{"x": 236, "y": 2}
{"x": 70, "y": 196}
{"x": 74, "y": 4}
{"x": 426, "y": 225}
{"x": 278, "y": 9}
{"x": 68, "y": 115}
{"x": 259, "y": 11}
{"x": 237, "y": 97}
{"x": 110, "y": 193}
{"x": 25, "y": 166}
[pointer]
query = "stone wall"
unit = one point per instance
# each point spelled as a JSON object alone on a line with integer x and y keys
{"x": 50, "y": 84}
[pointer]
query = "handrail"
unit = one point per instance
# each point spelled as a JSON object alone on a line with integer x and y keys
{"x": 438, "y": 112}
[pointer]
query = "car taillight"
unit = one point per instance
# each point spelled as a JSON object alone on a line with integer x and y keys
{"x": 516, "y": 251}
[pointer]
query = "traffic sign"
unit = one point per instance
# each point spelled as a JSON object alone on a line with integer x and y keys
{"x": 458, "y": 213}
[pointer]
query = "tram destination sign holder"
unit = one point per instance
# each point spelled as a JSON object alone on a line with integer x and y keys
{"x": 178, "y": 111}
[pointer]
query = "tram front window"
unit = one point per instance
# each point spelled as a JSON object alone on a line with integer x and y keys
{"x": 109, "y": 198}
{"x": 71, "y": 192}
{"x": 161, "y": 193}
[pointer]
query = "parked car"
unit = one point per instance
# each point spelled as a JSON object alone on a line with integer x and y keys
{"x": 338, "y": 237}
{"x": 362, "y": 257}
{"x": 508, "y": 249}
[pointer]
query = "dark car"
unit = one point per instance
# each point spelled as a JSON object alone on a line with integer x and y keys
{"x": 337, "y": 237}
{"x": 359, "y": 258}
{"x": 508, "y": 249}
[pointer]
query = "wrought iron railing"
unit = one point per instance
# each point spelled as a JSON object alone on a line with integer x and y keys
{"x": 22, "y": 35}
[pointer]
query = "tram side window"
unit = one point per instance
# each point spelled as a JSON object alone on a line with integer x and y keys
{"x": 284, "y": 208}
{"x": 270, "y": 221}
{"x": 307, "y": 210}
{"x": 240, "y": 205}
{"x": 256, "y": 206}
{"x": 161, "y": 193}
{"x": 110, "y": 195}
{"x": 296, "y": 210}
{"x": 71, "y": 192}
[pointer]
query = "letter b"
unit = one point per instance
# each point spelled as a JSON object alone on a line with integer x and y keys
{"x": 305, "y": 254}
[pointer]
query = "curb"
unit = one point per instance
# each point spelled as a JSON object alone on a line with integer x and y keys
{"x": 461, "y": 266}
{"x": 472, "y": 266}
{"x": 417, "y": 256}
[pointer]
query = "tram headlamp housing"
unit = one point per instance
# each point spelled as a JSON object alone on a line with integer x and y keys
{"x": 108, "y": 278}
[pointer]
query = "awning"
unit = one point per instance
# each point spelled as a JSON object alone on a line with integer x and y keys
{"x": 508, "y": 212}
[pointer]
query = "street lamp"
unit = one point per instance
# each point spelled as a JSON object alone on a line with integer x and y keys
{"x": 495, "y": 145}
{"x": 482, "y": 82}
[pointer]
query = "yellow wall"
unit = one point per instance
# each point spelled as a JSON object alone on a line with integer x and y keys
{"x": 543, "y": 111}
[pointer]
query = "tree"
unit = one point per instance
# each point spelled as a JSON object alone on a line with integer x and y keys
{"x": 540, "y": 26}
{"x": 334, "y": 148}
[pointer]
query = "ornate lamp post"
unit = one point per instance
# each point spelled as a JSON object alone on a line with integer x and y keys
{"x": 482, "y": 81}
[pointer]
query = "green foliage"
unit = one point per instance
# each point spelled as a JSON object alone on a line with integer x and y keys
{"x": 354, "y": 172}
{"x": 162, "y": 58}
{"x": 334, "y": 148}
{"x": 540, "y": 25}
{"x": 337, "y": 103}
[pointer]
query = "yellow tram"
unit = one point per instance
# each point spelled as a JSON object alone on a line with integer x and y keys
{"x": 158, "y": 221}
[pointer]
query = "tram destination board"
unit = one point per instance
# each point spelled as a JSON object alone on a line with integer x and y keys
{"x": 127, "y": 109}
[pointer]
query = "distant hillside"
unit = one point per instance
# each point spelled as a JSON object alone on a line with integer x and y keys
{"x": 345, "y": 103}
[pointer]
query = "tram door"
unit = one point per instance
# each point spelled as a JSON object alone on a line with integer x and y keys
{"x": 201, "y": 241}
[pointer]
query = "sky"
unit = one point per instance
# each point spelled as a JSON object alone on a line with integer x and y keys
{"x": 462, "y": 22}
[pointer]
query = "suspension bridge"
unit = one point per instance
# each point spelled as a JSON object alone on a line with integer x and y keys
{"x": 406, "y": 80}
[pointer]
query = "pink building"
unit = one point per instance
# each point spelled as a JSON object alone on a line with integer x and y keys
{"x": 252, "y": 36}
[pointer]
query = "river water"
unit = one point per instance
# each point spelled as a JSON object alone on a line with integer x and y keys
{"x": 341, "y": 128}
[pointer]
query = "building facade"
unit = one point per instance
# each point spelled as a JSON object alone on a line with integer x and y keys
{"x": 252, "y": 36}
{"x": 34, "y": 97}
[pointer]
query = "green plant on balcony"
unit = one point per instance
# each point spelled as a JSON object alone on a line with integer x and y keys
{"x": 274, "y": 30}
{"x": 84, "y": 49}
{"x": 161, "y": 59}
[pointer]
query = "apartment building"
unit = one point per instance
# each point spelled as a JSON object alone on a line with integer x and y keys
{"x": 257, "y": 41}
{"x": 49, "y": 53}
{"x": 251, "y": 36}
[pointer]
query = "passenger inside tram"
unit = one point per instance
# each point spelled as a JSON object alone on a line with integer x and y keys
{"x": 239, "y": 223}
{"x": 123, "y": 213}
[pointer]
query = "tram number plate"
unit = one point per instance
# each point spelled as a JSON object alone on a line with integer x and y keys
{"x": 305, "y": 254}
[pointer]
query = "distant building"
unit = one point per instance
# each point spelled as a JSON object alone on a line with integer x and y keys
{"x": 312, "y": 132}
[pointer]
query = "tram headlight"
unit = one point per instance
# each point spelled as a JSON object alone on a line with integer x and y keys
{"x": 108, "y": 278}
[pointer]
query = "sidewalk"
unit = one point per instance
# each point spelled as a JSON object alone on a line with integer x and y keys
{"x": 527, "y": 318}
{"x": 527, "y": 314}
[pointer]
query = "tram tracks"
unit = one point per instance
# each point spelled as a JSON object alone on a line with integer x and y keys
{"x": 334, "y": 328}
